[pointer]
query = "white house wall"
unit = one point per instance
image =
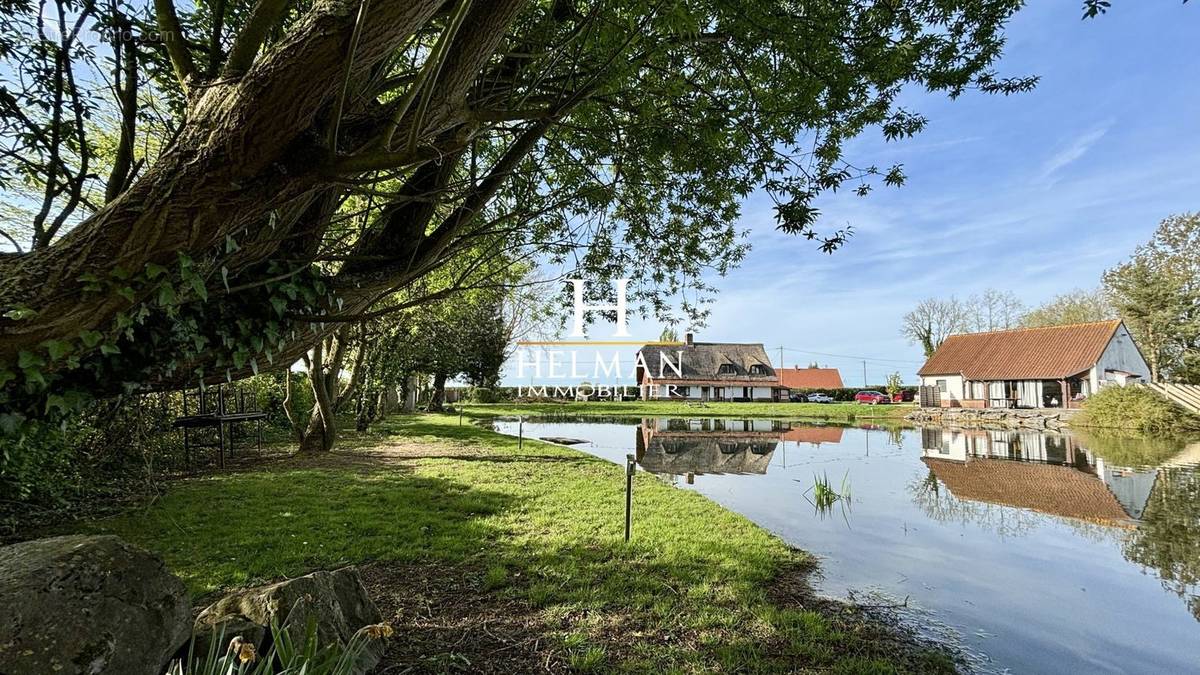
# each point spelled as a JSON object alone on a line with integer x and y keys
{"x": 1120, "y": 354}
{"x": 954, "y": 386}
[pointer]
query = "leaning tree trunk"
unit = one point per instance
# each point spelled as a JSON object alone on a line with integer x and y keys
{"x": 437, "y": 398}
{"x": 317, "y": 436}
{"x": 325, "y": 377}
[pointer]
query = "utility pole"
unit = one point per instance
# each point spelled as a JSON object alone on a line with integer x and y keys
{"x": 865, "y": 374}
{"x": 781, "y": 365}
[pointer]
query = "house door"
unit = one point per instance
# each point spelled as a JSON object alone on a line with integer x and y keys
{"x": 703, "y": 393}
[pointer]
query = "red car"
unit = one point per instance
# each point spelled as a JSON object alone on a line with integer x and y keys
{"x": 872, "y": 397}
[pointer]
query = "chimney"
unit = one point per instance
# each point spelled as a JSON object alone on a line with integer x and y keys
{"x": 687, "y": 339}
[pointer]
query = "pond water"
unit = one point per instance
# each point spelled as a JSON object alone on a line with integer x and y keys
{"x": 1033, "y": 552}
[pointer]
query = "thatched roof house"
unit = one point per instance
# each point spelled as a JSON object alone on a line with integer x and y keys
{"x": 703, "y": 371}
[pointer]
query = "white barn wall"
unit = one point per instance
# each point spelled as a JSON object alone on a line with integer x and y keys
{"x": 1120, "y": 354}
{"x": 954, "y": 385}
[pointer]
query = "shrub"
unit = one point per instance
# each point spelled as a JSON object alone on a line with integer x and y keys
{"x": 269, "y": 392}
{"x": 484, "y": 395}
{"x": 846, "y": 394}
{"x": 1135, "y": 409}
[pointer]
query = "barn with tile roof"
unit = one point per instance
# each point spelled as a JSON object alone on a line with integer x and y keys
{"x": 1054, "y": 366}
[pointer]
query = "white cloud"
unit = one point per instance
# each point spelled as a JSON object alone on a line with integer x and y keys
{"x": 1078, "y": 148}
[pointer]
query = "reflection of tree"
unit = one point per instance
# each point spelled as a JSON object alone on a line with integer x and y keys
{"x": 940, "y": 505}
{"x": 1168, "y": 539}
{"x": 1130, "y": 449}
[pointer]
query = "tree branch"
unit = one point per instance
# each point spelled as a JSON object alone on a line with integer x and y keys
{"x": 176, "y": 43}
{"x": 250, "y": 39}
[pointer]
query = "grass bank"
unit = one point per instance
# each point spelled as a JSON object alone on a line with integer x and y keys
{"x": 494, "y": 559}
{"x": 798, "y": 411}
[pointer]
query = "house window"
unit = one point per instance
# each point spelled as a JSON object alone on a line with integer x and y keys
{"x": 726, "y": 369}
{"x": 759, "y": 369}
{"x": 941, "y": 385}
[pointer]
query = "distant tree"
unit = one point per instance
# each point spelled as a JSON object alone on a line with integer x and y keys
{"x": 992, "y": 310}
{"x": 485, "y": 342}
{"x": 1157, "y": 293}
{"x": 668, "y": 334}
{"x": 932, "y": 321}
{"x": 1077, "y": 306}
{"x": 895, "y": 384}
{"x": 814, "y": 364}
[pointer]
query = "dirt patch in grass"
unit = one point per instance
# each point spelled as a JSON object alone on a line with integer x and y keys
{"x": 446, "y": 622}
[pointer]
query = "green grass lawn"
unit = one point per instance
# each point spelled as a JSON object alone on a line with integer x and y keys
{"x": 540, "y": 527}
{"x": 799, "y": 411}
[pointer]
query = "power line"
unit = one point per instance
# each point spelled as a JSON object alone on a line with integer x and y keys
{"x": 851, "y": 356}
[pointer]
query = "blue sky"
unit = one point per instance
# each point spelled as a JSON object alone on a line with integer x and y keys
{"x": 1036, "y": 193}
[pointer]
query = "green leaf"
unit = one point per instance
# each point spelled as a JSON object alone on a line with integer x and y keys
{"x": 10, "y": 422}
{"x": 34, "y": 376}
{"x": 230, "y": 244}
{"x": 109, "y": 349}
{"x": 6, "y": 376}
{"x": 20, "y": 313}
{"x": 127, "y": 293}
{"x": 27, "y": 360}
{"x": 279, "y": 304}
{"x": 254, "y": 365}
{"x": 91, "y": 338}
{"x": 56, "y": 402}
{"x": 57, "y": 348}
{"x": 154, "y": 271}
{"x": 198, "y": 286}
{"x": 166, "y": 294}
{"x": 225, "y": 277}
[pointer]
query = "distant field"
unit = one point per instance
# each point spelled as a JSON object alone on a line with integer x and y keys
{"x": 821, "y": 411}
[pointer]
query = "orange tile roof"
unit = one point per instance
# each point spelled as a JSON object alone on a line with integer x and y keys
{"x": 1048, "y": 488}
{"x": 814, "y": 434}
{"x": 1052, "y": 352}
{"x": 810, "y": 378}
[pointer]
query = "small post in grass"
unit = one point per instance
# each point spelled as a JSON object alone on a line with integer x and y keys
{"x": 520, "y": 432}
{"x": 630, "y": 467}
{"x": 460, "y": 412}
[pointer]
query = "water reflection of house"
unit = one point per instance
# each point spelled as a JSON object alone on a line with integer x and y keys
{"x": 699, "y": 446}
{"x": 1050, "y": 473}
{"x": 814, "y": 435}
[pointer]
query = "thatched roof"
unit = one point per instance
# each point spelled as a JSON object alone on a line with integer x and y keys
{"x": 703, "y": 361}
{"x": 728, "y": 453}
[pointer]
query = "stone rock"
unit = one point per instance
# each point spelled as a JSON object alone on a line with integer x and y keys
{"x": 337, "y": 601}
{"x": 90, "y": 605}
